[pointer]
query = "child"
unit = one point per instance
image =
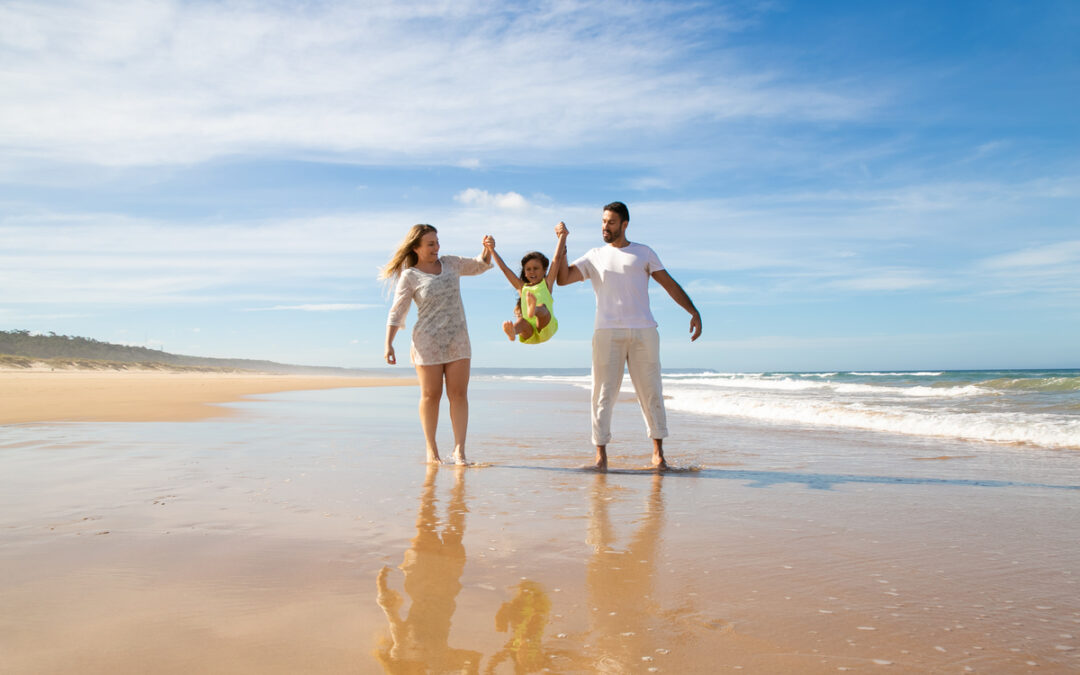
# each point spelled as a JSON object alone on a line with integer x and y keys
{"x": 534, "y": 322}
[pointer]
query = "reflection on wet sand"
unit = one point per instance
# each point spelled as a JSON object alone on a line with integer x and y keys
{"x": 621, "y": 584}
{"x": 624, "y": 626}
{"x": 432, "y": 567}
{"x": 525, "y": 618}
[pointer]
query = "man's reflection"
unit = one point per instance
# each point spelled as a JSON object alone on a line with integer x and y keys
{"x": 432, "y": 567}
{"x": 621, "y": 584}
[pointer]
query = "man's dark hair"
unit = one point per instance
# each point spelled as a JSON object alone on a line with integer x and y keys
{"x": 619, "y": 208}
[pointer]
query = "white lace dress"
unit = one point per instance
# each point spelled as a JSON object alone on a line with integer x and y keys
{"x": 440, "y": 334}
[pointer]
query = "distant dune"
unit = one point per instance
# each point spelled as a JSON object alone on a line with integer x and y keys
{"x": 21, "y": 350}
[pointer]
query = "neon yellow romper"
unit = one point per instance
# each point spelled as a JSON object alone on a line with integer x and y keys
{"x": 543, "y": 297}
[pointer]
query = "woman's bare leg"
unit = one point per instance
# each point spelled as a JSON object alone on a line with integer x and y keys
{"x": 457, "y": 391}
{"x": 431, "y": 386}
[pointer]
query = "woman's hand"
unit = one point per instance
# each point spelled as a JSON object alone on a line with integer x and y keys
{"x": 561, "y": 229}
{"x": 489, "y": 247}
{"x": 390, "y": 358}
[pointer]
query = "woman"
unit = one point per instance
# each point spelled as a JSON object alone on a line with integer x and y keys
{"x": 440, "y": 340}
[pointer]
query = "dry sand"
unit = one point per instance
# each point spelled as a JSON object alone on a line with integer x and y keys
{"x": 94, "y": 396}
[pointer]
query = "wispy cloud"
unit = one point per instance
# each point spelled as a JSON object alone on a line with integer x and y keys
{"x": 339, "y": 307}
{"x": 1058, "y": 254}
{"x": 883, "y": 280}
{"x": 179, "y": 82}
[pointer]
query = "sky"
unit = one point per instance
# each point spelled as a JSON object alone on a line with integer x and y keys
{"x": 837, "y": 185}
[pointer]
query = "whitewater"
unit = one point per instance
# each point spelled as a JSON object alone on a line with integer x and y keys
{"x": 1039, "y": 408}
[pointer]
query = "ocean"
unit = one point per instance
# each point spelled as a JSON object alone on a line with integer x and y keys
{"x": 1036, "y": 408}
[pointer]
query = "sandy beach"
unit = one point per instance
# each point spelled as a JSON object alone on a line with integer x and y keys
{"x": 81, "y": 395}
{"x": 303, "y": 533}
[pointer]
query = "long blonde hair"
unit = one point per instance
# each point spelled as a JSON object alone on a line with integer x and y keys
{"x": 405, "y": 257}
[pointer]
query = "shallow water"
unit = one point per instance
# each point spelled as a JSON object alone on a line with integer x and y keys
{"x": 307, "y": 535}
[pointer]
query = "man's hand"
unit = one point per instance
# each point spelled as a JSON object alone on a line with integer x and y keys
{"x": 695, "y": 326}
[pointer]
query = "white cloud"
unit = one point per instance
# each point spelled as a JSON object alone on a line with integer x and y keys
{"x": 137, "y": 83}
{"x": 510, "y": 201}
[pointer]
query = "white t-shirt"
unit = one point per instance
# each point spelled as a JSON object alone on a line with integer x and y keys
{"x": 620, "y": 279}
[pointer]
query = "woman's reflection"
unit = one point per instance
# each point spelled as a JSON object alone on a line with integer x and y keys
{"x": 432, "y": 567}
{"x": 621, "y": 583}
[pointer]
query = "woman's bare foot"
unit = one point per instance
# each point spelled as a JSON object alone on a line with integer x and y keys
{"x": 508, "y": 328}
{"x": 433, "y": 457}
{"x": 459, "y": 456}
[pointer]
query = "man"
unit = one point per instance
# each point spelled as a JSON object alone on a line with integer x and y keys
{"x": 625, "y": 332}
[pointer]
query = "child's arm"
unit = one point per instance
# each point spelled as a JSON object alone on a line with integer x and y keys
{"x": 559, "y": 259}
{"x": 510, "y": 276}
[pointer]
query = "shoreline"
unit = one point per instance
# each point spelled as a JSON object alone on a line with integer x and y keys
{"x": 36, "y": 396}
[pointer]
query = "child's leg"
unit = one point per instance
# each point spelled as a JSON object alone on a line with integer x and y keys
{"x": 514, "y": 328}
{"x": 539, "y": 312}
{"x": 543, "y": 316}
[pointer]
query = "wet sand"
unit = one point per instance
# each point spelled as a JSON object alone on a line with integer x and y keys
{"x": 304, "y": 534}
{"x": 47, "y": 396}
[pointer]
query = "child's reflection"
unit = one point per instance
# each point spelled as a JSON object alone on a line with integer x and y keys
{"x": 433, "y": 566}
{"x": 525, "y": 618}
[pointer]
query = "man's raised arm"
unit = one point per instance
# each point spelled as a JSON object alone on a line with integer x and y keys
{"x": 568, "y": 274}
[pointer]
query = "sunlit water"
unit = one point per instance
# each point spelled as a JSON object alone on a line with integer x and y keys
{"x": 306, "y": 534}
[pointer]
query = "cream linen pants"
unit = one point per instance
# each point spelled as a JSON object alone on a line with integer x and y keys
{"x": 638, "y": 350}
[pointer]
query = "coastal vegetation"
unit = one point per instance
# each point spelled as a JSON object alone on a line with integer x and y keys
{"x": 23, "y": 349}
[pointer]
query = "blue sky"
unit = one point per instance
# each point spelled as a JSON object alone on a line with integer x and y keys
{"x": 838, "y": 185}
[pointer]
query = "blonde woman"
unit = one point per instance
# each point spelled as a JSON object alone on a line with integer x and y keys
{"x": 440, "y": 348}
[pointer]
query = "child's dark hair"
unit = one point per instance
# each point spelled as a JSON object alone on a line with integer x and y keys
{"x": 533, "y": 255}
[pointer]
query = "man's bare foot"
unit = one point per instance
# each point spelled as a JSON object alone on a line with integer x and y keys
{"x": 658, "y": 455}
{"x": 530, "y": 305}
{"x": 508, "y": 328}
{"x": 601, "y": 458}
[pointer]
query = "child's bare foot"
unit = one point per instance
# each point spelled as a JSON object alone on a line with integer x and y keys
{"x": 508, "y": 328}
{"x": 530, "y": 304}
